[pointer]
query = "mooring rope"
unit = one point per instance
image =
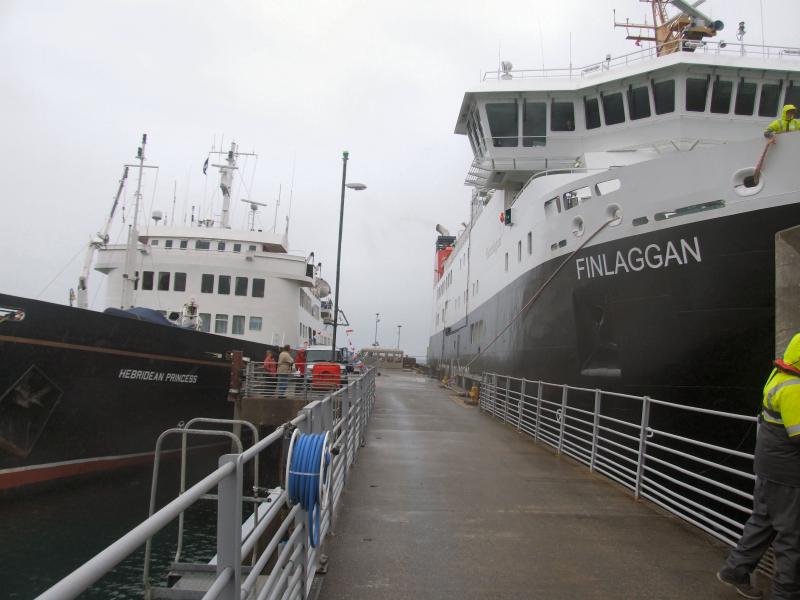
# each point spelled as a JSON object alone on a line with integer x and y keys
{"x": 307, "y": 477}
{"x": 541, "y": 289}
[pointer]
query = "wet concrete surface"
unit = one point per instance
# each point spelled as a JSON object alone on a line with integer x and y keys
{"x": 445, "y": 502}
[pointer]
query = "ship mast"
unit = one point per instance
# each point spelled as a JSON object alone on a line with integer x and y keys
{"x": 226, "y": 180}
{"x": 129, "y": 275}
{"x": 667, "y": 33}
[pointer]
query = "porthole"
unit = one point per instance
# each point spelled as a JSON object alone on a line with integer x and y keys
{"x": 745, "y": 184}
{"x": 577, "y": 226}
{"x": 614, "y": 214}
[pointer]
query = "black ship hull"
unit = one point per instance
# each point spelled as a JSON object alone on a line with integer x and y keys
{"x": 693, "y": 322}
{"x": 82, "y": 391}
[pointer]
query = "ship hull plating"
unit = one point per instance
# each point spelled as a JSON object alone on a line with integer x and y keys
{"x": 82, "y": 391}
{"x": 692, "y": 320}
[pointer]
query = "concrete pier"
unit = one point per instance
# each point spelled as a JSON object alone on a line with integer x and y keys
{"x": 446, "y": 503}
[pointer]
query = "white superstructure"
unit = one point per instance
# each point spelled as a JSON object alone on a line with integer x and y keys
{"x": 221, "y": 280}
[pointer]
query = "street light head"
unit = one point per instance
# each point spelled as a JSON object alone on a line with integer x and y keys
{"x": 356, "y": 186}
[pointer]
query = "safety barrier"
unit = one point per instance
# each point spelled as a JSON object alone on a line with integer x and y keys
{"x": 671, "y": 454}
{"x": 282, "y": 560}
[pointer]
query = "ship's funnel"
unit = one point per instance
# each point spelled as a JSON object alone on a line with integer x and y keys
{"x": 442, "y": 230}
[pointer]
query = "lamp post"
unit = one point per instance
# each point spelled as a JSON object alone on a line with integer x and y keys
{"x": 398, "y": 336}
{"x": 353, "y": 186}
{"x": 377, "y": 320}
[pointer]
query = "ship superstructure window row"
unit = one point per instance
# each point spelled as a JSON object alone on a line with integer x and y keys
{"x": 520, "y": 123}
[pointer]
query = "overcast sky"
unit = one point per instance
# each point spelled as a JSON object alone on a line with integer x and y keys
{"x": 297, "y": 82}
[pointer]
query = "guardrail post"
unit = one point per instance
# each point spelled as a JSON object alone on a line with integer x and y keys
{"x": 521, "y": 403}
{"x": 505, "y": 407}
{"x": 345, "y": 452}
{"x": 642, "y": 446}
{"x": 595, "y": 428}
{"x": 229, "y": 528}
{"x": 538, "y": 410}
{"x": 563, "y": 418}
{"x": 494, "y": 393}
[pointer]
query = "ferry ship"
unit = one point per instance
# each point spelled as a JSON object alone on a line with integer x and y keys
{"x": 623, "y": 219}
{"x": 83, "y": 391}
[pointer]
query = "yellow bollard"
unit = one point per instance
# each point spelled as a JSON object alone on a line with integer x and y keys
{"x": 473, "y": 393}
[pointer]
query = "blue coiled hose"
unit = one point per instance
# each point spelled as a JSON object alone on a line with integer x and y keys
{"x": 309, "y": 454}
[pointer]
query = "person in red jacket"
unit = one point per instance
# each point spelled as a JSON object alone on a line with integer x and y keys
{"x": 271, "y": 371}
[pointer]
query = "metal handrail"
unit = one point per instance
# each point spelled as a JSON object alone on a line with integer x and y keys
{"x": 294, "y": 565}
{"x": 686, "y": 481}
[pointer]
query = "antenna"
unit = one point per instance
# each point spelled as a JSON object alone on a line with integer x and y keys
{"x": 291, "y": 196}
{"x": 174, "y": 200}
{"x": 277, "y": 204}
{"x": 251, "y": 218}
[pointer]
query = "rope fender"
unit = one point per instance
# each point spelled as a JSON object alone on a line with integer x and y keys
{"x": 308, "y": 477}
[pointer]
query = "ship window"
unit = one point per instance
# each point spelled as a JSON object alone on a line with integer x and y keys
{"x": 534, "y": 124}
{"x": 506, "y": 262}
{"x": 664, "y": 96}
{"x": 258, "y": 288}
{"x": 252, "y": 247}
{"x": 224, "y": 284}
{"x": 696, "y": 92}
{"x": 221, "y": 324}
{"x": 745, "y": 98}
{"x": 689, "y": 210}
{"x": 221, "y": 246}
{"x": 638, "y": 102}
{"x": 147, "y": 280}
{"x": 592, "y": 109}
{"x": 154, "y": 242}
{"x": 202, "y": 245}
{"x": 476, "y": 119}
{"x": 205, "y": 322}
{"x": 237, "y": 247}
{"x": 530, "y": 243}
{"x": 184, "y": 244}
{"x": 255, "y": 324}
{"x": 163, "y": 281}
{"x": 562, "y": 116}
{"x": 179, "y": 283}
{"x": 574, "y": 197}
{"x": 237, "y": 326}
{"x": 606, "y": 187}
{"x": 241, "y": 286}
{"x": 552, "y": 207}
{"x": 792, "y": 93}
{"x": 640, "y": 221}
{"x": 613, "y": 111}
{"x": 519, "y": 251}
{"x": 502, "y": 123}
{"x": 168, "y": 244}
{"x": 207, "y": 284}
{"x": 770, "y": 94}
{"x": 721, "y": 96}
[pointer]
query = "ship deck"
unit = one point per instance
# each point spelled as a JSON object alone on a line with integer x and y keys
{"x": 448, "y": 503}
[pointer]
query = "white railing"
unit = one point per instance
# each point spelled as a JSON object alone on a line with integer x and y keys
{"x": 677, "y": 456}
{"x": 686, "y": 46}
{"x": 285, "y": 568}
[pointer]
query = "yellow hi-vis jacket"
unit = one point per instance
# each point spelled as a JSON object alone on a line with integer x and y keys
{"x": 781, "y": 402}
{"x": 783, "y": 124}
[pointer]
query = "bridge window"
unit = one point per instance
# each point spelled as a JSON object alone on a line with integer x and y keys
{"x": 179, "y": 283}
{"x": 207, "y": 284}
{"x": 613, "y": 111}
{"x": 721, "y": 96}
{"x": 147, "y": 280}
{"x": 664, "y": 96}
{"x": 237, "y": 326}
{"x": 592, "y": 110}
{"x": 745, "y": 98}
{"x": 241, "y": 286}
{"x": 163, "y": 281}
{"x": 258, "y": 288}
{"x": 770, "y": 95}
{"x": 221, "y": 324}
{"x": 480, "y": 137}
{"x": 503, "y": 123}
{"x": 696, "y": 92}
{"x": 224, "y": 284}
{"x": 534, "y": 124}
{"x": 638, "y": 103}
{"x": 562, "y": 116}
{"x": 792, "y": 93}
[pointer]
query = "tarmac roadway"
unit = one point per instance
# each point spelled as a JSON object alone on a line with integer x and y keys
{"x": 447, "y": 503}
